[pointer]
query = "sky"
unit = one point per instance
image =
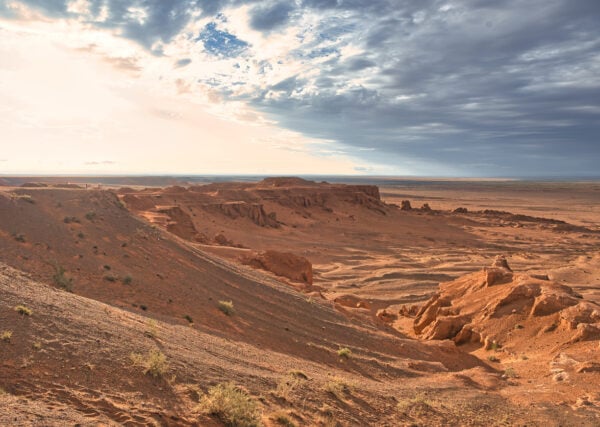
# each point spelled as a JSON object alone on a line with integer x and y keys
{"x": 465, "y": 88}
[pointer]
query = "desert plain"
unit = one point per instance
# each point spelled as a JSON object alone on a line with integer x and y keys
{"x": 308, "y": 302}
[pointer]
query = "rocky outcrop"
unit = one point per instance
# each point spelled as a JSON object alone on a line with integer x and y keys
{"x": 351, "y": 301}
{"x": 323, "y": 195}
{"x": 181, "y": 224}
{"x": 255, "y": 212}
{"x": 285, "y": 264}
{"x": 486, "y": 307}
{"x": 137, "y": 203}
{"x": 386, "y": 316}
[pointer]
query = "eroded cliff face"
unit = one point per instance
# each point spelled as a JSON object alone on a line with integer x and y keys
{"x": 188, "y": 211}
{"x": 255, "y": 212}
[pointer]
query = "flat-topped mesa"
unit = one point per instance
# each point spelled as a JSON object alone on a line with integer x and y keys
{"x": 488, "y": 306}
{"x": 294, "y": 182}
{"x": 285, "y": 181}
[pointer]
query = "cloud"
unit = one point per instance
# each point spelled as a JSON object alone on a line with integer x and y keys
{"x": 467, "y": 87}
{"x": 183, "y": 62}
{"x": 266, "y": 17}
{"x": 127, "y": 64}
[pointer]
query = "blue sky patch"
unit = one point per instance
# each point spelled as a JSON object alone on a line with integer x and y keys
{"x": 221, "y": 43}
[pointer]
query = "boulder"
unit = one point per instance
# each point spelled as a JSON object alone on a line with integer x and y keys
{"x": 405, "y": 205}
{"x": 285, "y": 264}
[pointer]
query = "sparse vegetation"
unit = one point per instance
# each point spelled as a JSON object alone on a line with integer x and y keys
{"x": 281, "y": 418}
{"x": 81, "y": 235}
{"x": 188, "y": 318}
{"x": 510, "y": 373}
{"x": 22, "y": 310}
{"x": 298, "y": 374}
{"x": 110, "y": 278}
{"x": 154, "y": 363}
{"x": 37, "y": 345}
{"x": 419, "y": 406}
{"x": 493, "y": 358}
{"x": 90, "y": 216}
{"x": 61, "y": 280}
{"x": 20, "y": 238}
{"x": 519, "y": 326}
{"x": 327, "y": 418}
{"x": 286, "y": 386}
{"x": 226, "y": 307}
{"x": 6, "y": 336}
{"x": 344, "y": 353}
{"x": 152, "y": 331}
{"x": 127, "y": 280}
{"x": 337, "y": 387}
{"x": 232, "y": 405}
{"x": 106, "y": 267}
{"x": 71, "y": 219}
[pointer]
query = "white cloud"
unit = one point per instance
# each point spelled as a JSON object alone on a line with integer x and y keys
{"x": 67, "y": 103}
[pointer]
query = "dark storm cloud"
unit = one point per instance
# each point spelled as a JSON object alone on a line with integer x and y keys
{"x": 266, "y": 17}
{"x": 496, "y": 88}
{"x": 502, "y": 87}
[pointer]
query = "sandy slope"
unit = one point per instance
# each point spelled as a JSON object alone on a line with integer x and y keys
{"x": 156, "y": 256}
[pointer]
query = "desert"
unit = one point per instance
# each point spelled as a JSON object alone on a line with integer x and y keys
{"x": 308, "y": 213}
{"x": 360, "y": 303}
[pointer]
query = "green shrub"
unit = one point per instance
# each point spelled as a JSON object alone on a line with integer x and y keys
{"x": 22, "y": 310}
{"x": 232, "y": 405}
{"x": 286, "y": 386}
{"x": 337, "y": 387}
{"x": 90, "y": 216}
{"x": 226, "y": 307}
{"x": 61, "y": 280}
{"x": 344, "y": 353}
{"x": 127, "y": 280}
{"x": 154, "y": 363}
{"x": 282, "y": 419}
{"x": 6, "y": 336}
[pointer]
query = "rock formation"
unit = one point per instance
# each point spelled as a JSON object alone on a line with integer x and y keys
{"x": 253, "y": 211}
{"x": 285, "y": 264}
{"x": 485, "y": 307}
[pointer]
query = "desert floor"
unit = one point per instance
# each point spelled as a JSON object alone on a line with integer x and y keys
{"x": 112, "y": 271}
